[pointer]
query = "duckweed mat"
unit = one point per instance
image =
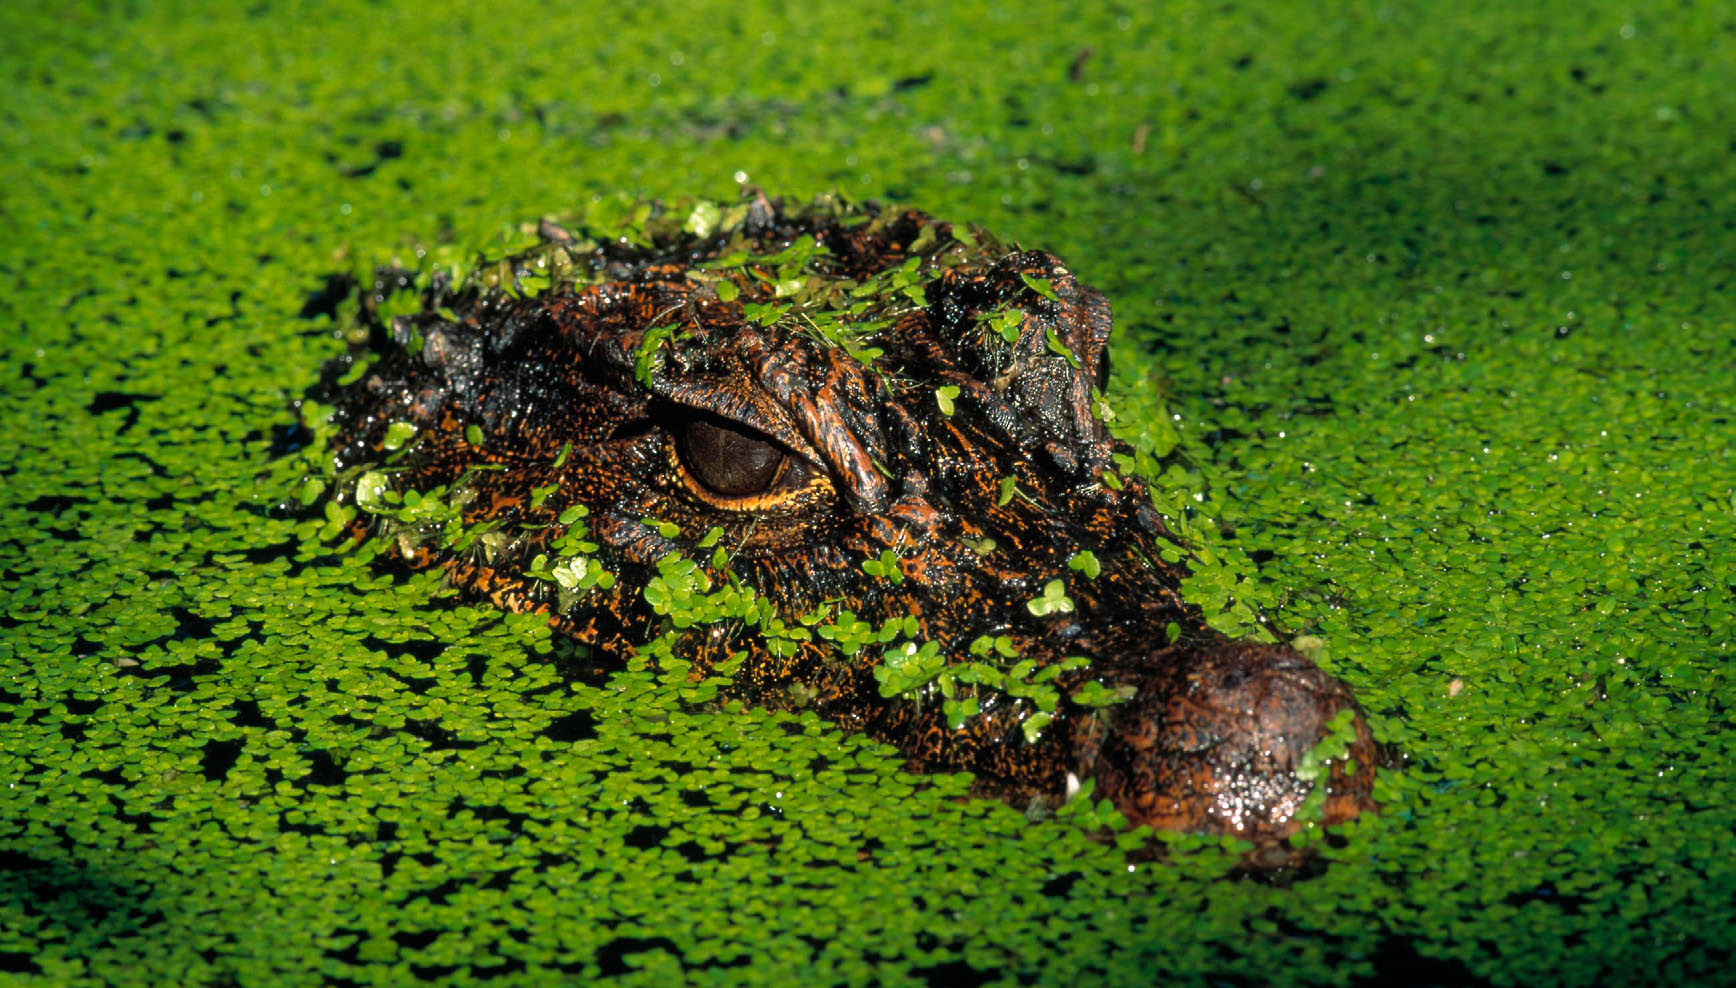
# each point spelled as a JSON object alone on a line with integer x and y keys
{"x": 1437, "y": 308}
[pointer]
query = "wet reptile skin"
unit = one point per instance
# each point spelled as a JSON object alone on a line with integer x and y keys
{"x": 814, "y": 453}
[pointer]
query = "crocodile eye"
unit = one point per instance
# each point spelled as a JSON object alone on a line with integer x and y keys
{"x": 731, "y": 462}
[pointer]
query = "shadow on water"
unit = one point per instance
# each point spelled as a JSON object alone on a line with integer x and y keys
{"x": 92, "y": 907}
{"x": 1611, "y": 221}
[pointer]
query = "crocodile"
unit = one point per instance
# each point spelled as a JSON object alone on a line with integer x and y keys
{"x": 829, "y": 456}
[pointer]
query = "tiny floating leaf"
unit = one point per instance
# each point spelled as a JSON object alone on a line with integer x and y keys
{"x": 1042, "y": 286}
{"x": 943, "y": 396}
{"x": 397, "y": 434}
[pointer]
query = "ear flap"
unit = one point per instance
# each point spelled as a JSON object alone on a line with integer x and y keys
{"x": 1026, "y": 326}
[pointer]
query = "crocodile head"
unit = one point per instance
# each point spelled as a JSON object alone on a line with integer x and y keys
{"x": 853, "y": 460}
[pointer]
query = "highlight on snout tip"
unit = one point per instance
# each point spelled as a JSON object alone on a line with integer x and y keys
{"x": 1232, "y": 743}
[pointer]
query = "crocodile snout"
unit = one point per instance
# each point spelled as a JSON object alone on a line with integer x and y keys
{"x": 1234, "y": 740}
{"x": 869, "y": 454}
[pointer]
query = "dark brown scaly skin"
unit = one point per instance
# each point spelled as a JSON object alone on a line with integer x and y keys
{"x": 866, "y": 460}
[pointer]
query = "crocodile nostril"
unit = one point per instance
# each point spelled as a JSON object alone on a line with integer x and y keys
{"x": 1222, "y": 742}
{"x": 786, "y": 382}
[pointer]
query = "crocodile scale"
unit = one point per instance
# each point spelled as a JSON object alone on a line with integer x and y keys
{"x": 854, "y": 418}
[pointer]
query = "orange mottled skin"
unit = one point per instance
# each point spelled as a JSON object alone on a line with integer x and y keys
{"x": 1213, "y": 732}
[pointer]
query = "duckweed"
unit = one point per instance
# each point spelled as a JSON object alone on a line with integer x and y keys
{"x": 1424, "y": 341}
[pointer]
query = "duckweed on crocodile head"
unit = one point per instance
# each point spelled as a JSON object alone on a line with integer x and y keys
{"x": 1434, "y": 303}
{"x": 584, "y": 408}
